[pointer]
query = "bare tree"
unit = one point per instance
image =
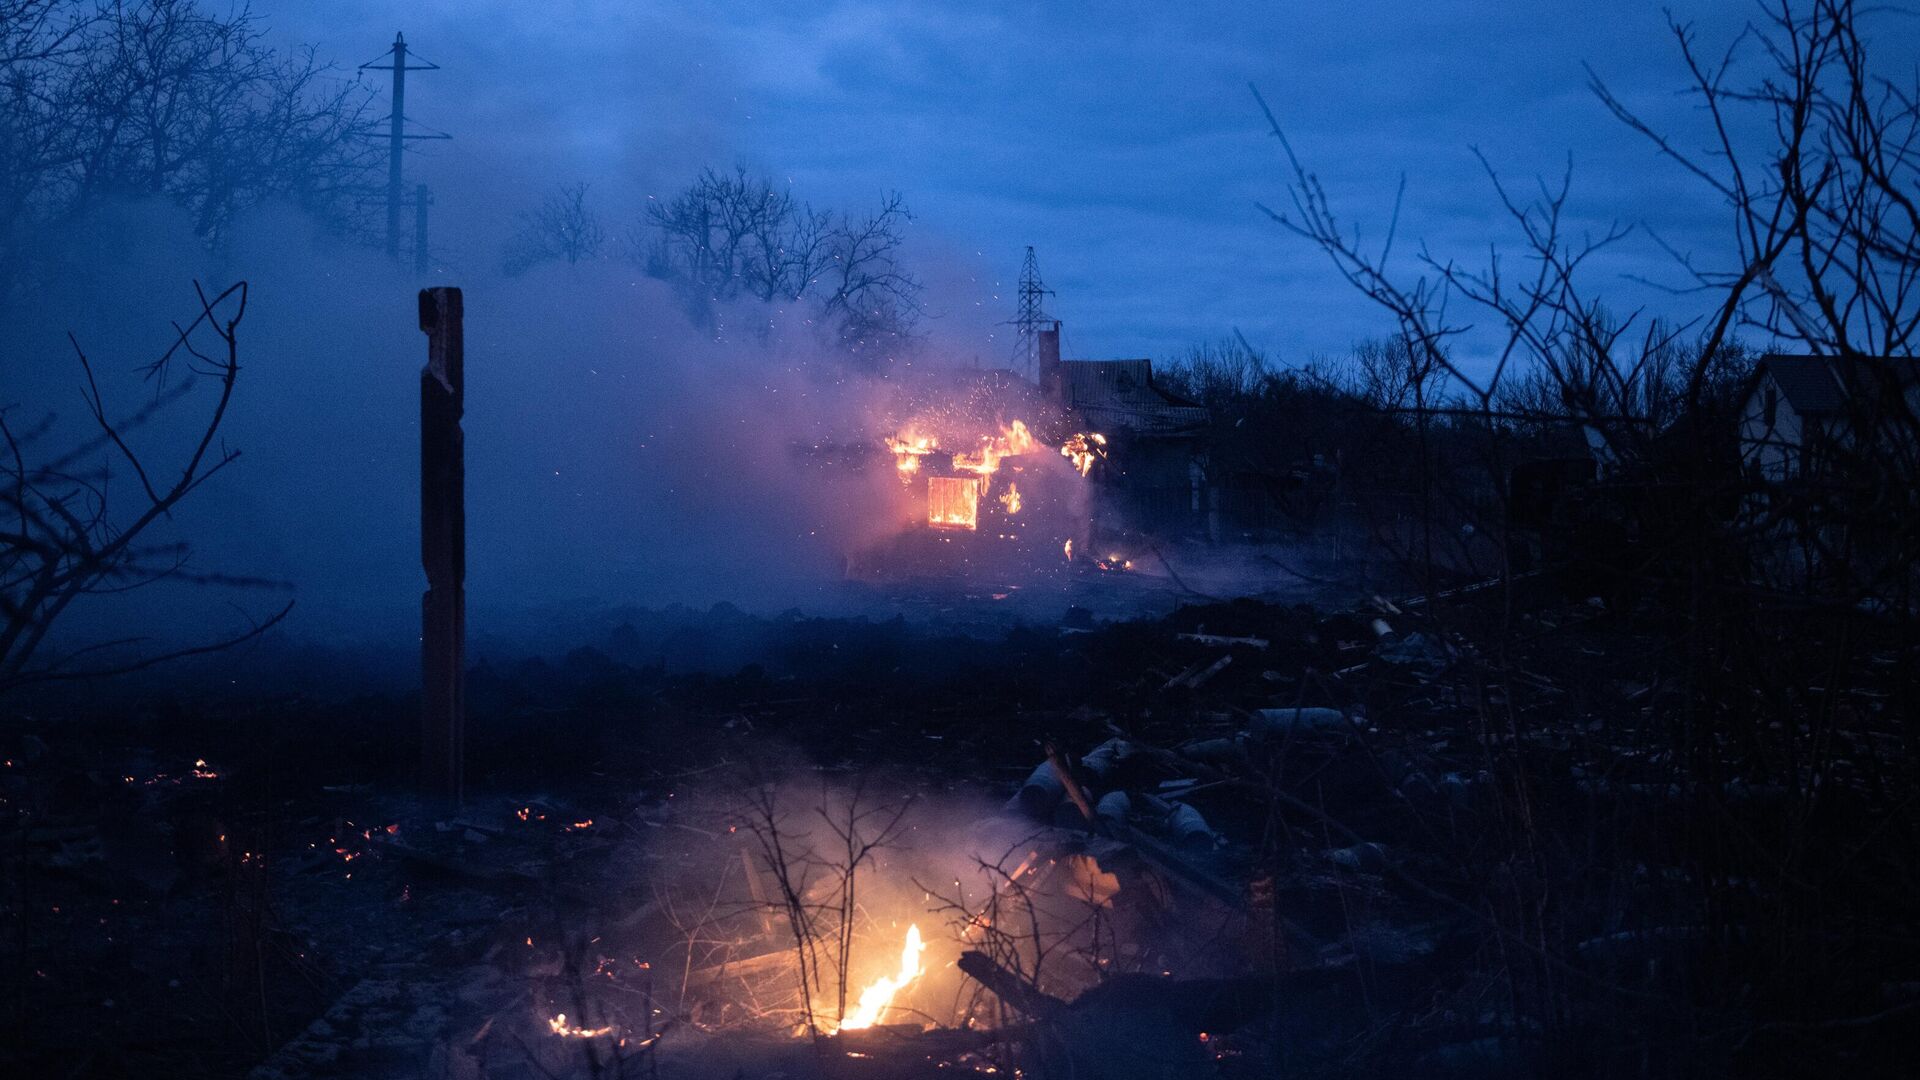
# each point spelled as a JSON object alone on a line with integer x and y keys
{"x": 1216, "y": 372}
{"x": 65, "y": 539}
{"x": 1823, "y": 232}
{"x": 1812, "y": 150}
{"x": 1824, "y": 223}
{"x": 1393, "y": 376}
{"x": 866, "y": 290}
{"x": 564, "y": 229}
{"x": 724, "y": 236}
{"x": 33, "y": 30}
{"x": 731, "y": 236}
{"x": 160, "y": 98}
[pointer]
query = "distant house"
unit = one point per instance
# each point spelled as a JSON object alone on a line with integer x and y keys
{"x": 1158, "y": 468}
{"x": 1804, "y": 416}
{"x": 1120, "y": 395}
{"x": 1832, "y": 444}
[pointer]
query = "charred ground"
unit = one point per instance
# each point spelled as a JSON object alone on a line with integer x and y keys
{"x": 1486, "y": 857}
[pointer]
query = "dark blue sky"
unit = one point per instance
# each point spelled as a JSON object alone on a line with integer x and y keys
{"x": 1120, "y": 139}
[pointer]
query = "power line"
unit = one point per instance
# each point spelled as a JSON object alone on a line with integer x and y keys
{"x": 397, "y": 135}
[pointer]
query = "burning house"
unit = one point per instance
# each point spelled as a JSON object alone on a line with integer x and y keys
{"x": 998, "y": 472}
{"x": 989, "y": 476}
{"x": 1154, "y": 479}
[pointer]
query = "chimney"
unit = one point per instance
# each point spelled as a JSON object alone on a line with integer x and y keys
{"x": 1048, "y": 365}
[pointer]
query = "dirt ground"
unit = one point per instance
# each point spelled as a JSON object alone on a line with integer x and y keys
{"x": 1407, "y": 841}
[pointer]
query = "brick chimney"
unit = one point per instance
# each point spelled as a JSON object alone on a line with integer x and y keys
{"x": 1047, "y": 371}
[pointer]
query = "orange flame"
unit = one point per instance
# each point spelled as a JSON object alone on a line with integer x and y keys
{"x": 1083, "y": 449}
{"x": 908, "y": 448}
{"x": 559, "y": 1026}
{"x": 953, "y": 502}
{"x": 879, "y": 995}
{"x": 1013, "y": 440}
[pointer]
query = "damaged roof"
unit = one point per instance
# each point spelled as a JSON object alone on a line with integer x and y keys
{"x": 1122, "y": 394}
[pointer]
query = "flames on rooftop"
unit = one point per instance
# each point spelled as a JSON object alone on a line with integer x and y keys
{"x": 959, "y": 479}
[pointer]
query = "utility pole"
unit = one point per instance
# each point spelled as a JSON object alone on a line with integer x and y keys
{"x": 1032, "y": 318}
{"x": 422, "y": 198}
{"x": 397, "y": 135}
{"x": 443, "y": 546}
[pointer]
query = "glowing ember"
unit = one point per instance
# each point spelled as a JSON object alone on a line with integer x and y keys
{"x": 953, "y": 502}
{"x": 878, "y": 996}
{"x": 1083, "y": 449}
{"x": 559, "y": 1026}
{"x": 1011, "y": 499}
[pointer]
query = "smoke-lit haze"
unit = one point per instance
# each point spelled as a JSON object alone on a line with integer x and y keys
{"x": 618, "y": 453}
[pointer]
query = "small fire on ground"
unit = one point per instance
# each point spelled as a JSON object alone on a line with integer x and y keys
{"x": 878, "y": 997}
{"x": 560, "y": 1026}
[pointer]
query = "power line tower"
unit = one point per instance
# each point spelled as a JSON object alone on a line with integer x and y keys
{"x": 1032, "y": 319}
{"x": 422, "y": 198}
{"x": 397, "y": 134}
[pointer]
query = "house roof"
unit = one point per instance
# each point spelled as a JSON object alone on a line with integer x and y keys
{"x": 1122, "y": 394}
{"x": 1821, "y": 385}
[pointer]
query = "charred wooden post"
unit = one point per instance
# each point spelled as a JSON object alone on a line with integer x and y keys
{"x": 443, "y": 546}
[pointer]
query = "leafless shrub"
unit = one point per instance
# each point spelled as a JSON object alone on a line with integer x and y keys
{"x": 65, "y": 538}
{"x": 815, "y": 858}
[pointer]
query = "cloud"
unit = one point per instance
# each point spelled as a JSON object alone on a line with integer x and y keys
{"x": 1118, "y": 138}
